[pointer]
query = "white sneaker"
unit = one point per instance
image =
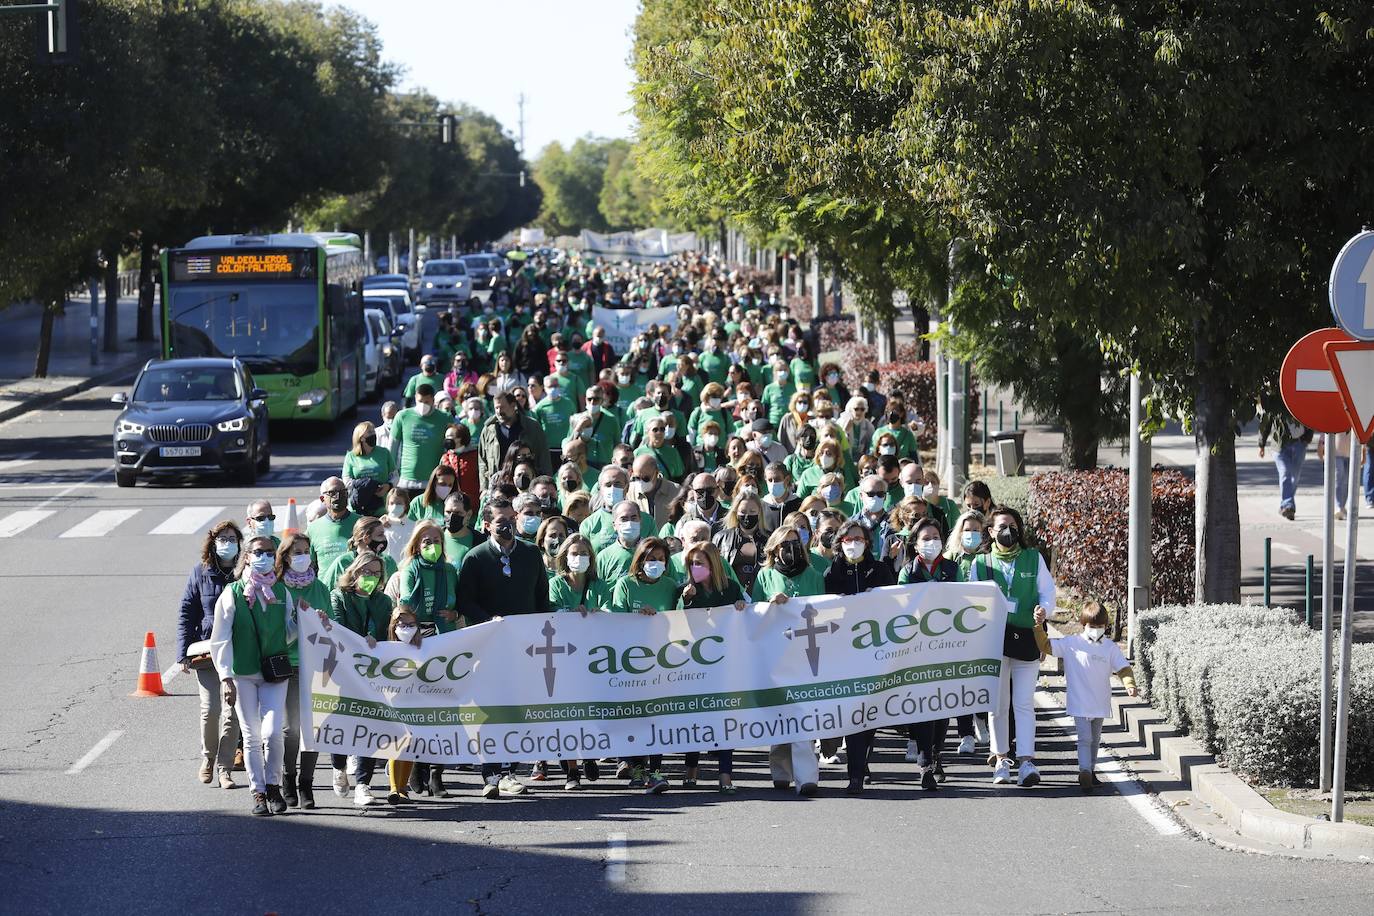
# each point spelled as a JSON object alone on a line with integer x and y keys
{"x": 509, "y": 785}
{"x": 492, "y": 787}
{"x": 831, "y": 761}
{"x": 1027, "y": 775}
{"x": 912, "y": 755}
{"x": 980, "y": 730}
{"x": 362, "y": 796}
{"x": 1340, "y": 515}
{"x": 1002, "y": 775}
{"x": 341, "y": 784}
{"x": 966, "y": 747}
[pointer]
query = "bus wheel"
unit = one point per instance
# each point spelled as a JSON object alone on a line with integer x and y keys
{"x": 125, "y": 478}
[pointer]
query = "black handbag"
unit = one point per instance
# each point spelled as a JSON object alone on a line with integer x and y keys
{"x": 275, "y": 668}
{"x": 1019, "y": 643}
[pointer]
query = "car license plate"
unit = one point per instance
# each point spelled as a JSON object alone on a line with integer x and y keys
{"x": 179, "y": 451}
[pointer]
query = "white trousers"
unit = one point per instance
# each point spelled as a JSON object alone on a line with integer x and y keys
{"x": 795, "y": 762}
{"x": 1015, "y": 692}
{"x": 261, "y": 709}
{"x": 1089, "y": 739}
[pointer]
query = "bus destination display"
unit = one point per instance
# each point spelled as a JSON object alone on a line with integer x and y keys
{"x": 189, "y": 267}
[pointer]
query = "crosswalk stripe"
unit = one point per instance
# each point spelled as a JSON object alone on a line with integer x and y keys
{"x": 17, "y": 522}
{"x": 9, "y": 464}
{"x": 99, "y": 523}
{"x": 188, "y": 520}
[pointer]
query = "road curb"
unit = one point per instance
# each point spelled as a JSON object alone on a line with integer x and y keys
{"x": 39, "y": 401}
{"x": 1247, "y": 813}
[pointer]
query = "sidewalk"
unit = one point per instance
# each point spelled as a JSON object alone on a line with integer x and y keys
{"x": 69, "y": 365}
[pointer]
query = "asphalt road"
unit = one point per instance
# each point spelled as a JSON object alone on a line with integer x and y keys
{"x": 135, "y": 828}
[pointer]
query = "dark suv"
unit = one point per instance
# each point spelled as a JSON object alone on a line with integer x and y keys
{"x": 191, "y": 415}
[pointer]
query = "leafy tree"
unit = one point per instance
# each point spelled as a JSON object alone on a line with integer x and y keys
{"x": 572, "y": 179}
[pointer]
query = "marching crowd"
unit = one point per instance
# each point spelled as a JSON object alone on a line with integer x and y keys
{"x": 533, "y": 468}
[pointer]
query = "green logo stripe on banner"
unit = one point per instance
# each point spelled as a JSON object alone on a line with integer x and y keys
{"x": 607, "y": 710}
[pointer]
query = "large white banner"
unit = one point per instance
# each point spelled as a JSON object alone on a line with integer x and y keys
{"x": 644, "y": 245}
{"x": 622, "y": 325}
{"x": 563, "y": 686}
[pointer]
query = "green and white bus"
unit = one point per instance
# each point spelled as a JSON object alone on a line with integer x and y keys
{"x": 289, "y": 306}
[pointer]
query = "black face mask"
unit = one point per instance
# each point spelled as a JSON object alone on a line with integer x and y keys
{"x": 370, "y": 440}
{"x": 1007, "y": 537}
{"x": 791, "y": 558}
{"x": 450, "y": 445}
{"x": 748, "y": 522}
{"x": 503, "y": 530}
{"x": 706, "y": 501}
{"x": 570, "y": 484}
{"x": 827, "y": 539}
{"x": 377, "y": 547}
{"x": 454, "y": 522}
{"x": 336, "y": 500}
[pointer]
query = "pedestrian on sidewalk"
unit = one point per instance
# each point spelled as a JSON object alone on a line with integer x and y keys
{"x": 1342, "y": 456}
{"x": 1292, "y": 439}
{"x": 1090, "y": 660}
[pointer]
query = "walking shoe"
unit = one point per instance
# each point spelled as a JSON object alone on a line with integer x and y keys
{"x": 363, "y": 797}
{"x": 939, "y": 771}
{"x": 436, "y": 783}
{"x": 275, "y": 800}
{"x": 307, "y": 795}
{"x": 966, "y": 747}
{"x": 655, "y": 784}
{"x": 539, "y": 772}
{"x": 912, "y": 755}
{"x": 492, "y": 787}
{"x": 572, "y": 783}
{"x": 226, "y": 781}
{"x": 1096, "y": 782}
{"x": 782, "y": 784}
{"x": 980, "y": 730}
{"x": 1340, "y": 515}
{"x": 808, "y": 789}
{"x": 398, "y": 798}
{"x": 1027, "y": 775}
{"x": 1289, "y": 513}
{"x": 623, "y": 771}
{"x": 207, "y": 771}
{"x": 288, "y": 790}
{"x": 928, "y": 779}
{"x": 509, "y": 785}
{"x": 341, "y": 784}
{"x": 830, "y": 760}
{"x": 638, "y": 780}
{"x": 238, "y": 759}
{"x": 260, "y": 808}
{"x": 592, "y": 770}
{"x": 1085, "y": 781}
{"x": 1001, "y": 775}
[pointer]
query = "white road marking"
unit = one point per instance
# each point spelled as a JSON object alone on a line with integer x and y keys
{"x": 615, "y": 858}
{"x": 101, "y": 747}
{"x": 1126, "y": 787}
{"x": 18, "y": 461}
{"x": 1286, "y": 548}
{"x": 17, "y": 522}
{"x": 72, "y": 486}
{"x": 188, "y": 520}
{"x": 171, "y": 673}
{"x": 99, "y": 524}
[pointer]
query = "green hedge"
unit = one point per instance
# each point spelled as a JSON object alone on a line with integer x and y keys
{"x": 1245, "y": 682}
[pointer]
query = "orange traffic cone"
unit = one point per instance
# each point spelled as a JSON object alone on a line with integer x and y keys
{"x": 292, "y": 524}
{"x": 149, "y": 676}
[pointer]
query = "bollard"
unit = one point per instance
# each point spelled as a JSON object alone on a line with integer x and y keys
{"x": 1001, "y": 418}
{"x": 985, "y": 427}
{"x": 1268, "y": 552}
{"x": 1308, "y": 586}
{"x": 1015, "y": 420}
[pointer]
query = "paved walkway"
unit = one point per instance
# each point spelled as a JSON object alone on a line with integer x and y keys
{"x": 69, "y": 365}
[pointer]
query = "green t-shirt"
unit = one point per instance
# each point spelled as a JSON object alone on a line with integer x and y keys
{"x": 564, "y": 597}
{"x": 715, "y": 364}
{"x": 770, "y": 582}
{"x": 906, "y": 440}
{"x": 613, "y": 561}
{"x": 631, "y": 595}
{"x": 329, "y": 538}
{"x": 669, "y": 461}
{"x": 419, "y": 441}
{"x": 316, "y": 597}
{"x": 436, "y": 381}
{"x": 553, "y": 415}
{"x": 776, "y": 397}
{"x": 377, "y": 465}
{"x": 330, "y": 576}
{"x": 700, "y": 417}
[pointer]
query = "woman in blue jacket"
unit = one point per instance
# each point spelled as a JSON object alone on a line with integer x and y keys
{"x": 219, "y": 731}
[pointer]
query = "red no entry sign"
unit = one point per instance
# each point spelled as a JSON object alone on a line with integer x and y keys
{"x": 1309, "y": 387}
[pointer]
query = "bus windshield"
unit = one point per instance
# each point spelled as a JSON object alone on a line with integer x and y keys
{"x": 271, "y": 327}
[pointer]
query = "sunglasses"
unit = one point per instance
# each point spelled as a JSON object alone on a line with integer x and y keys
{"x": 264, "y": 518}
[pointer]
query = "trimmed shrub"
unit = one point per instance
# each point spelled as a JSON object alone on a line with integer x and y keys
{"x": 1012, "y": 492}
{"x": 907, "y": 378}
{"x": 1245, "y": 682}
{"x": 833, "y": 332}
{"x": 1081, "y": 516}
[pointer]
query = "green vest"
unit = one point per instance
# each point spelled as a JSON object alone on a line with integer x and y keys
{"x": 268, "y": 637}
{"x": 1023, "y": 591}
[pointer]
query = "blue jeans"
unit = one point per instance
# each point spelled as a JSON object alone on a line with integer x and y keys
{"x": 1288, "y": 460}
{"x": 1369, "y": 477}
{"x": 1342, "y": 480}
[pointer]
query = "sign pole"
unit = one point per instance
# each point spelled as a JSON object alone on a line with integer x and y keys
{"x": 1352, "y": 527}
{"x": 1328, "y": 585}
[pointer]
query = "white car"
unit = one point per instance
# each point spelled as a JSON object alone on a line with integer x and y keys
{"x": 377, "y": 351}
{"x": 445, "y": 280}
{"x": 396, "y": 303}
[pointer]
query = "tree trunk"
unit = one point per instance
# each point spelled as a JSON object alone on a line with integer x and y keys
{"x": 887, "y": 339}
{"x": 1216, "y": 576}
{"x": 40, "y": 364}
{"x": 1079, "y": 451}
{"x": 1079, "y": 364}
{"x": 146, "y": 266}
{"x": 920, "y": 317}
{"x": 111, "y": 344}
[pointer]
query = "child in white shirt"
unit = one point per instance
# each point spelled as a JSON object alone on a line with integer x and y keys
{"x": 1090, "y": 660}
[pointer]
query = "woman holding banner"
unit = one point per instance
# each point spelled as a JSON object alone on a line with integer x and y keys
{"x": 788, "y": 574}
{"x": 295, "y": 566}
{"x": 359, "y": 604}
{"x": 1020, "y": 572}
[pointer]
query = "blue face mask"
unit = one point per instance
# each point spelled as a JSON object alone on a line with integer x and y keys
{"x": 262, "y": 564}
{"x": 805, "y": 537}
{"x": 529, "y": 524}
{"x": 226, "y": 550}
{"x": 777, "y": 488}
{"x": 971, "y": 539}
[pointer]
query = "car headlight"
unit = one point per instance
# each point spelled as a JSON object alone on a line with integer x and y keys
{"x": 312, "y": 398}
{"x": 429, "y": 284}
{"x": 126, "y": 428}
{"x": 236, "y": 425}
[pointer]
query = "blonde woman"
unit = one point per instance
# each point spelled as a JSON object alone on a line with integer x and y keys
{"x": 741, "y": 539}
{"x": 830, "y": 461}
{"x": 712, "y": 401}
{"x": 366, "y": 460}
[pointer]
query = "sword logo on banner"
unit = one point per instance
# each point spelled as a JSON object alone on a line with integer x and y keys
{"x": 810, "y": 632}
{"x": 549, "y": 650}
{"x": 331, "y": 661}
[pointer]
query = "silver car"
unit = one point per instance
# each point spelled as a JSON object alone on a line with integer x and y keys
{"x": 444, "y": 280}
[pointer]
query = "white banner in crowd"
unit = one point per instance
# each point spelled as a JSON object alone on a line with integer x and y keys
{"x": 682, "y": 241}
{"x": 623, "y": 324}
{"x": 644, "y": 245}
{"x": 563, "y": 686}
{"x": 534, "y": 236}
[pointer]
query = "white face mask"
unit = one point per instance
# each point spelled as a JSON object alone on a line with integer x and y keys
{"x": 613, "y": 495}
{"x": 929, "y": 550}
{"x": 887, "y": 450}
{"x": 875, "y": 502}
{"x": 827, "y": 461}
{"x": 715, "y": 403}
{"x": 264, "y": 528}
{"x": 710, "y": 440}
{"x": 628, "y": 530}
{"x": 397, "y": 510}
{"x": 442, "y": 491}
{"x": 406, "y": 634}
{"x": 928, "y": 491}
{"x": 853, "y": 550}
{"x": 653, "y": 569}
{"x": 1094, "y": 634}
{"x": 579, "y": 562}
{"x": 300, "y": 562}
